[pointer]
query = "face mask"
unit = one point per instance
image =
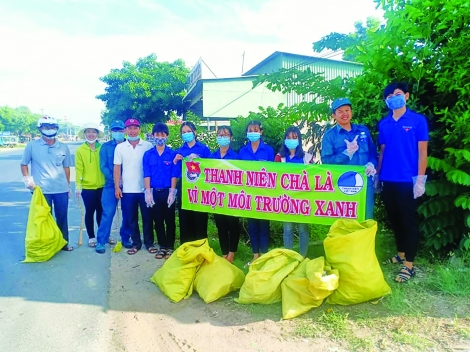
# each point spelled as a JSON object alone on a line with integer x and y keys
{"x": 133, "y": 139}
{"x": 187, "y": 137}
{"x": 291, "y": 143}
{"x": 253, "y": 136}
{"x": 49, "y": 133}
{"x": 118, "y": 136}
{"x": 160, "y": 141}
{"x": 395, "y": 102}
{"x": 91, "y": 141}
{"x": 223, "y": 141}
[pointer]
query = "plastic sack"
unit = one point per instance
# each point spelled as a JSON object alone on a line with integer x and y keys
{"x": 263, "y": 281}
{"x": 217, "y": 279}
{"x": 307, "y": 287}
{"x": 43, "y": 238}
{"x": 350, "y": 248}
{"x": 176, "y": 277}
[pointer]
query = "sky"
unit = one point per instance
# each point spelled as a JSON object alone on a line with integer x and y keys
{"x": 53, "y": 52}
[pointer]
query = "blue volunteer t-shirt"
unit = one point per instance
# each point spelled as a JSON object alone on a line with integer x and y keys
{"x": 198, "y": 148}
{"x": 160, "y": 168}
{"x": 263, "y": 153}
{"x": 400, "y": 156}
{"x": 230, "y": 155}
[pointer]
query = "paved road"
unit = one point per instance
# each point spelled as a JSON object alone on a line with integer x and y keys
{"x": 51, "y": 306}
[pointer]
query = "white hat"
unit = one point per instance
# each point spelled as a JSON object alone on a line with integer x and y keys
{"x": 94, "y": 126}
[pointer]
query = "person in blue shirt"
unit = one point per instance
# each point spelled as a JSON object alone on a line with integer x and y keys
{"x": 228, "y": 227}
{"x": 257, "y": 150}
{"x": 193, "y": 224}
{"x": 292, "y": 152}
{"x": 350, "y": 144}
{"x": 160, "y": 175}
{"x": 403, "y": 140}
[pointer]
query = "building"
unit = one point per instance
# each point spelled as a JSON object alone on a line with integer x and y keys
{"x": 222, "y": 99}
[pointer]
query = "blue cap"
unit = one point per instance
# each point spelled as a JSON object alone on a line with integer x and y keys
{"x": 340, "y": 102}
{"x": 118, "y": 125}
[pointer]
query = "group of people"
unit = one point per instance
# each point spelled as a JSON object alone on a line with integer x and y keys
{"x": 144, "y": 176}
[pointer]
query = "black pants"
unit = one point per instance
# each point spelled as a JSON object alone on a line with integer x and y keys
{"x": 193, "y": 225}
{"x": 228, "y": 230}
{"x": 130, "y": 205}
{"x": 400, "y": 206}
{"x": 164, "y": 217}
{"x": 92, "y": 201}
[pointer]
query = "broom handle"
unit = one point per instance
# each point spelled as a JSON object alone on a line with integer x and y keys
{"x": 82, "y": 221}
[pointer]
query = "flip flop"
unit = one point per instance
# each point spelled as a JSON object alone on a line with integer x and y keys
{"x": 67, "y": 249}
{"x": 132, "y": 251}
{"x": 161, "y": 253}
{"x": 152, "y": 250}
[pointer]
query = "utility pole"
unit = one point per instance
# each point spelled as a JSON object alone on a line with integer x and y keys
{"x": 243, "y": 61}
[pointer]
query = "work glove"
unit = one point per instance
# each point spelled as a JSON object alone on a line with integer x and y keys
{"x": 377, "y": 184}
{"x": 29, "y": 182}
{"x": 192, "y": 156}
{"x": 70, "y": 193}
{"x": 171, "y": 196}
{"x": 149, "y": 198}
{"x": 370, "y": 170}
{"x": 419, "y": 185}
{"x": 351, "y": 147}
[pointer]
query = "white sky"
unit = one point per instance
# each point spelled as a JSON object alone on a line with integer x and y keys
{"x": 52, "y": 52}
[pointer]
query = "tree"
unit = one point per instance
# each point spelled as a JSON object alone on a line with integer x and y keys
{"x": 148, "y": 90}
{"x": 18, "y": 120}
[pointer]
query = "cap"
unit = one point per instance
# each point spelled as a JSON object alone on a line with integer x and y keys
{"x": 340, "y": 102}
{"x": 81, "y": 133}
{"x": 132, "y": 122}
{"x": 117, "y": 125}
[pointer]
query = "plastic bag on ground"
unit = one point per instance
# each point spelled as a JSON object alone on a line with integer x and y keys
{"x": 350, "y": 248}
{"x": 217, "y": 279}
{"x": 263, "y": 281}
{"x": 176, "y": 277}
{"x": 307, "y": 287}
{"x": 43, "y": 238}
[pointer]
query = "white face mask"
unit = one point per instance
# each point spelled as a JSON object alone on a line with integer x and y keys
{"x": 91, "y": 141}
{"x": 50, "y": 133}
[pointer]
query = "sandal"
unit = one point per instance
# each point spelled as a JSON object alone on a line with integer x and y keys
{"x": 152, "y": 250}
{"x": 67, "y": 249}
{"x": 160, "y": 254}
{"x": 168, "y": 253}
{"x": 132, "y": 251}
{"x": 394, "y": 260}
{"x": 111, "y": 241}
{"x": 92, "y": 242}
{"x": 405, "y": 274}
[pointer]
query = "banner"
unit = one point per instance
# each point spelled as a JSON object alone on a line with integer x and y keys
{"x": 317, "y": 194}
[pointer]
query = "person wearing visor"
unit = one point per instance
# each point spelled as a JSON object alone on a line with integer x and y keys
{"x": 89, "y": 180}
{"x": 50, "y": 169}
{"x": 109, "y": 201}
{"x": 350, "y": 144}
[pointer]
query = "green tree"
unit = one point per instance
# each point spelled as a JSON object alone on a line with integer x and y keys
{"x": 18, "y": 120}
{"x": 148, "y": 90}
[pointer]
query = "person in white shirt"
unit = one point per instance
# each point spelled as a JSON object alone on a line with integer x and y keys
{"x": 128, "y": 171}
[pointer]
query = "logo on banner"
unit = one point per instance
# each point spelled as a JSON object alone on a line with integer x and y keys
{"x": 193, "y": 171}
{"x": 350, "y": 182}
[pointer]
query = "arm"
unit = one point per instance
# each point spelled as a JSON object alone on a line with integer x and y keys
{"x": 24, "y": 170}
{"x": 381, "y": 155}
{"x": 117, "y": 179}
{"x": 147, "y": 182}
{"x": 422, "y": 157}
{"x": 106, "y": 168}
{"x": 372, "y": 150}
{"x": 78, "y": 170}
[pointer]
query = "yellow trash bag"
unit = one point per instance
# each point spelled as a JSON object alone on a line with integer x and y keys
{"x": 175, "y": 278}
{"x": 350, "y": 248}
{"x": 217, "y": 279}
{"x": 263, "y": 281}
{"x": 307, "y": 286}
{"x": 43, "y": 237}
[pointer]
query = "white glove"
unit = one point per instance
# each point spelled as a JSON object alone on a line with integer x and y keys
{"x": 149, "y": 198}
{"x": 70, "y": 192}
{"x": 171, "y": 196}
{"x": 370, "y": 170}
{"x": 29, "y": 182}
{"x": 351, "y": 147}
{"x": 377, "y": 184}
{"x": 419, "y": 185}
{"x": 192, "y": 156}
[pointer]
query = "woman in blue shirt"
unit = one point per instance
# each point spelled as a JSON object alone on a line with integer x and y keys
{"x": 257, "y": 150}
{"x": 228, "y": 227}
{"x": 292, "y": 152}
{"x": 193, "y": 224}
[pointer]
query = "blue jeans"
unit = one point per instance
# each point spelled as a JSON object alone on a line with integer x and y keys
{"x": 109, "y": 203}
{"x": 259, "y": 235}
{"x": 59, "y": 203}
{"x": 130, "y": 204}
{"x": 303, "y": 234}
{"x": 370, "y": 198}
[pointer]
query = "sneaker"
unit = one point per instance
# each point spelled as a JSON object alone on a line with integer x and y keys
{"x": 100, "y": 248}
{"x": 126, "y": 244}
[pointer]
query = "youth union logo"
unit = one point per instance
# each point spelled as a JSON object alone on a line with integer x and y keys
{"x": 350, "y": 182}
{"x": 193, "y": 171}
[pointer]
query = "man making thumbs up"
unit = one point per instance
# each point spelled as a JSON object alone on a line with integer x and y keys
{"x": 350, "y": 144}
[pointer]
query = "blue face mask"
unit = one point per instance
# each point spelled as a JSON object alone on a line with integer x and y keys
{"x": 291, "y": 143}
{"x": 223, "y": 141}
{"x": 160, "y": 141}
{"x": 395, "y": 102}
{"x": 253, "y": 136}
{"x": 187, "y": 137}
{"x": 133, "y": 139}
{"x": 118, "y": 136}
